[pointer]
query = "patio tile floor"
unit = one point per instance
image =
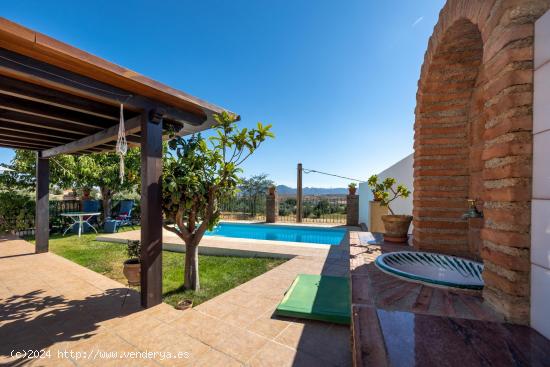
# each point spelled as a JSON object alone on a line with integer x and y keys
{"x": 48, "y": 302}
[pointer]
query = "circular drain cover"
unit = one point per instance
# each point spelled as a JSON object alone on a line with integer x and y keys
{"x": 438, "y": 269}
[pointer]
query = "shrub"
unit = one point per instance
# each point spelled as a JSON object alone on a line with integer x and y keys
{"x": 16, "y": 211}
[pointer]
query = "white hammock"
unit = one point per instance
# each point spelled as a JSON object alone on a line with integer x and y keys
{"x": 121, "y": 144}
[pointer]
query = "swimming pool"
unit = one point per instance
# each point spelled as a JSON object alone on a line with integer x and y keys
{"x": 324, "y": 236}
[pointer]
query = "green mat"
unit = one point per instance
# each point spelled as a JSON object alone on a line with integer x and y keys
{"x": 317, "y": 297}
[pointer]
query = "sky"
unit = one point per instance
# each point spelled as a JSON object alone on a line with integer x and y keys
{"x": 336, "y": 79}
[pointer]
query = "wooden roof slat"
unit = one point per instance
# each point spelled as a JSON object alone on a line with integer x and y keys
{"x": 53, "y": 112}
{"x": 19, "y": 89}
{"x": 33, "y": 137}
{"x": 45, "y": 123}
{"x": 24, "y": 142}
{"x": 13, "y": 145}
{"x": 22, "y": 128}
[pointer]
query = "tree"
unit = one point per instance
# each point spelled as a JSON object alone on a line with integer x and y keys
{"x": 23, "y": 174}
{"x": 254, "y": 187}
{"x": 78, "y": 172}
{"x": 102, "y": 170}
{"x": 197, "y": 174}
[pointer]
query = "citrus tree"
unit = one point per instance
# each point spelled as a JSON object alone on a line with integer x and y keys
{"x": 197, "y": 174}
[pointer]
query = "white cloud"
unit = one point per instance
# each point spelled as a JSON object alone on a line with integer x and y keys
{"x": 417, "y": 21}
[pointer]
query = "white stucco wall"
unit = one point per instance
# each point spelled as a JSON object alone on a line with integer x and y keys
{"x": 402, "y": 171}
{"x": 540, "y": 208}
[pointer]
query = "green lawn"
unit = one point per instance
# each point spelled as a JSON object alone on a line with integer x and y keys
{"x": 217, "y": 273}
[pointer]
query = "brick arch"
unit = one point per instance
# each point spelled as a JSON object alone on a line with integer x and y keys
{"x": 446, "y": 120}
{"x": 473, "y": 140}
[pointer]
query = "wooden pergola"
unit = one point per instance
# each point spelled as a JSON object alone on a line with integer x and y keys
{"x": 57, "y": 99}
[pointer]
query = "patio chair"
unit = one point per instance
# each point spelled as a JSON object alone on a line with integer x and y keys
{"x": 123, "y": 214}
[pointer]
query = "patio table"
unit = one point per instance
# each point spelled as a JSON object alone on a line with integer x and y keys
{"x": 78, "y": 218}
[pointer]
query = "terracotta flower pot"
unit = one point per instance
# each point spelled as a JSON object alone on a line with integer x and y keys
{"x": 271, "y": 190}
{"x": 397, "y": 227}
{"x": 352, "y": 190}
{"x": 132, "y": 272}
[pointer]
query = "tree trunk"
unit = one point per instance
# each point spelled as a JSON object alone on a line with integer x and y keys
{"x": 191, "y": 276}
{"x": 106, "y": 198}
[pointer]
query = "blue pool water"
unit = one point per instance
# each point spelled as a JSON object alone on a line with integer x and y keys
{"x": 324, "y": 236}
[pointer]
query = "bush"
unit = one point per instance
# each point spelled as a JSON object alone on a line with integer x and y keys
{"x": 16, "y": 212}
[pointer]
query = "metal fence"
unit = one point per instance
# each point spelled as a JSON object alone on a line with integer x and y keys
{"x": 315, "y": 209}
{"x": 287, "y": 209}
{"x": 20, "y": 221}
{"x": 243, "y": 208}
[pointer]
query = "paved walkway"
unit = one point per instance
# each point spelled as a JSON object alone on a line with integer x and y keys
{"x": 78, "y": 316}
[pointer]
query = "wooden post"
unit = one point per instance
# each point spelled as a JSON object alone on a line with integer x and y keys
{"x": 299, "y": 209}
{"x": 42, "y": 214}
{"x": 151, "y": 209}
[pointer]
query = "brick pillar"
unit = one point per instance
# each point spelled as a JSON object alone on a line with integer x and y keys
{"x": 271, "y": 207}
{"x": 352, "y": 212}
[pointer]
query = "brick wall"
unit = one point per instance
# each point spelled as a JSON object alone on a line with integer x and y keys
{"x": 473, "y": 140}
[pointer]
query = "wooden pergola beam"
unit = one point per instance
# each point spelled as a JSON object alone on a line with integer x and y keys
{"x": 30, "y": 70}
{"x": 151, "y": 210}
{"x": 42, "y": 219}
{"x": 131, "y": 126}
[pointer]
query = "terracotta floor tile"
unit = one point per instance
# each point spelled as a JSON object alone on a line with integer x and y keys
{"x": 269, "y": 327}
{"x": 216, "y": 358}
{"x": 136, "y": 328}
{"x": 242, "y": 317}
{"x": 298, "y": 334}
{"x": 203, "y": 327}
{"x": 216, "y": 309}
{"x": 277, "y": 355}
{"x": 241, "y": 344}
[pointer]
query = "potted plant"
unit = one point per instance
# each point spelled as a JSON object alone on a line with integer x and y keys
{"x": 352, "y": 188}
{"x": 376, "y": 209}
{"x": 396, "y": 226}
{"x": 271, "y": 190}
{"x": 132, "y": 266}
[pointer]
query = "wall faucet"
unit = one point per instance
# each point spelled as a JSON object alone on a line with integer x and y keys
{"x": 472, "y": 211}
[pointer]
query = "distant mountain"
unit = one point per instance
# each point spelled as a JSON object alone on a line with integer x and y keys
{"x": 285, "y": 190}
